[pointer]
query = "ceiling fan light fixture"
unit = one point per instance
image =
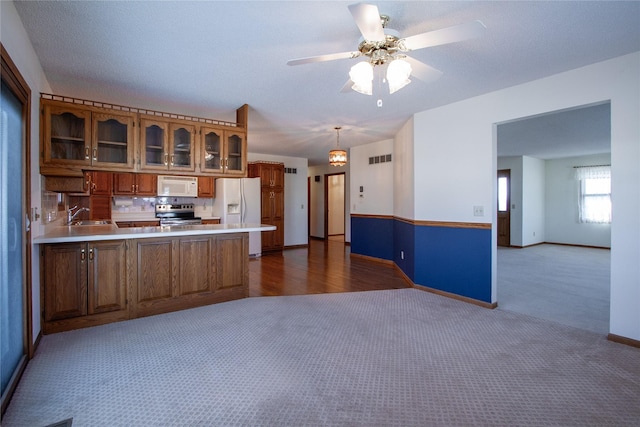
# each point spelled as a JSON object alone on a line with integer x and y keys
{"x": 398, "y": 72}
{"x": 361, "y": 75}
{"x": 337, "y": 157}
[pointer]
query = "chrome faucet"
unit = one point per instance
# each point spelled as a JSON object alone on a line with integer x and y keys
{"x": 71, "y": 216}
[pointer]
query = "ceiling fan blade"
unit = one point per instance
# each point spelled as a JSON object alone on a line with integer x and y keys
{"x": 453, "y": 34}
{"x": 422, "y": 71}
{"x": 322, "y": 58}
{"x": 368, "y": 21}
{"x": 347, "y": 87}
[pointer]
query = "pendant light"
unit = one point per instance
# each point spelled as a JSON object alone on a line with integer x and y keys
{"x": 337, "y": 157}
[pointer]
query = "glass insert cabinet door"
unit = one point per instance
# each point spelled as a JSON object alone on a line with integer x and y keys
{"x": 181, "y": 142}
{"x": 212, "y": 150}
{"x": 235, "y": 152}
{"x": 67, "y": 135}
{"x": 154, "y": 154}
{"x": 113, "y": 140}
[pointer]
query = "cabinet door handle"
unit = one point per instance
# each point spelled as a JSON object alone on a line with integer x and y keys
{"x": 137, "y": 187}
{"x": 172, "y": 159}
{"x": 133, "y": 188}
{"x": 83, "y": 255}
{"x": 166, "y": 159}
{"x": 86, "y": 153}
{"x": 91, "y": 254}
{"x": 95, "y": 154}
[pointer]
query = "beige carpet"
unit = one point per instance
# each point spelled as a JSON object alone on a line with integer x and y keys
{"x": 382, "y": 358}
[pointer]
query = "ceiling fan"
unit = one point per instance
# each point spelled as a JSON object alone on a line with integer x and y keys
{"x": 381, "y": 45}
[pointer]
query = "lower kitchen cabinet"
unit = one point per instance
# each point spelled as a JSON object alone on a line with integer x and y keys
{"x": 93, "y": 283}
{"x": 183, "y": 272}
{"x": 84, "y": 284}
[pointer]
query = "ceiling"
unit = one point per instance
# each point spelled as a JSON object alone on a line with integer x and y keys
{"x": 207, "y": 58}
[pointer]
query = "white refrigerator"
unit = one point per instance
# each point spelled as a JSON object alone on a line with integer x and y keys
{"x": 237, "y": 200}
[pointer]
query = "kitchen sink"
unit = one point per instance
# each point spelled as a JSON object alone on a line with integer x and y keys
{"x": 91, "y": 222}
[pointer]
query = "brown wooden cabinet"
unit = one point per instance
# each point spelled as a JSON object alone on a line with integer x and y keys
{"x": 182, "y": 272}
{"x": 79, "y": 137}
{"x": 101, "y": 189}
{"x": 206, "y": 186}
{"x": 272, "y": 202}
{"x": 223, "y": 151}
{"x": 135, "y": 184}
{"x": 167, "y": 146}
{"x": 84, "y": 284}
{"x": 210, "y": 221}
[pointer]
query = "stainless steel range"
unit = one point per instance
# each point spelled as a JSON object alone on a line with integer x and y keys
{"x": 177, "y": 214}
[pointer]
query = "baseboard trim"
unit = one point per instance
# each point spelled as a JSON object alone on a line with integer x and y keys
{"x": 296, "y": 246}
{"x": 443, "y": 293}
{"x": 623, "y": 340}
{"x": 473, "y": 301}
{"x": 554, "y": 243}
{"x": 427, "y": 289}
{"x": 36, "y": 344}
{"x": 373, "y": 259}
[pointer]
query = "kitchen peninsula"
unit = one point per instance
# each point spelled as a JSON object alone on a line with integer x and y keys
{"x": 98, "y": 274}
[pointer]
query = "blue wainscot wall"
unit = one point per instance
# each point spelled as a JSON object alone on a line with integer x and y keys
{"x": 449, "y": 258}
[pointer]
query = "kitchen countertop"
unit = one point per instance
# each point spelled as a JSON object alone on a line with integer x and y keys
{"x": 83, "y": 233}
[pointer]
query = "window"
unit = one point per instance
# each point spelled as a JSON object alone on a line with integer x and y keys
{"x": 595, "y": 194}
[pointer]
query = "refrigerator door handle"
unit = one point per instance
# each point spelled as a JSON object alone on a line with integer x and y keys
{"x": 243, "y": 201}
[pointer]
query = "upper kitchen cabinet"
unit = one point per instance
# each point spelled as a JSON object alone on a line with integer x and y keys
{"x": 181, "y": 146}
{"x": 223, "y": 151}
{"x": 75, "y": 136}
{"x": 113, "y": 140}
{"x": 66, "y": 135}
{"x": 154, "y": 140}
{"x": 166, "y": 146}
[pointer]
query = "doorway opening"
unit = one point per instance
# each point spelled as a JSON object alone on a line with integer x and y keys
{"x": 554, "y": 267}
{"x": 334, "y": 196}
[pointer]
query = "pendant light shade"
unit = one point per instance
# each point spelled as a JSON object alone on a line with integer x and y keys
{"x": 337, "y": 157}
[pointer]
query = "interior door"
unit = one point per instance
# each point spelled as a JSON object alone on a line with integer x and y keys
{"x": 504, "y": 207}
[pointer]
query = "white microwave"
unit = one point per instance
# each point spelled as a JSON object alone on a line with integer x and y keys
{"x": 177, "y": 186}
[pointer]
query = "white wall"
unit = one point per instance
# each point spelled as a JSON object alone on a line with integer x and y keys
{"x": 514, "y": 164}
{"x": 295, "y": 196}
{"x": 456, "y": 144}
{"x": 562, "y": 193}
{"x": 403, "y": 172}
{"x": 376, "y": 180}
{"x": 16, "y": 42}
{"x": 533, "y": 201}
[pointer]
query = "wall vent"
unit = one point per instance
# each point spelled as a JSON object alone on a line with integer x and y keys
{"x": 385, "y": 158}
{"x": 290, "y": 170}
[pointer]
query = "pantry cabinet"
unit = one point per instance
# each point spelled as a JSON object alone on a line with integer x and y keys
{"x": 83, "y": 284}
{"x": 223, "y": 151}
{"x": 272, "y": 202}
{"x": 81, "y": 137}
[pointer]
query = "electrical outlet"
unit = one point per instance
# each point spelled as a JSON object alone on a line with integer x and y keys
{"x": 478, "y": 211}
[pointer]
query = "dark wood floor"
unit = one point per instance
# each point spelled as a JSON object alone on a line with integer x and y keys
{"x": 323, "y": 267}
